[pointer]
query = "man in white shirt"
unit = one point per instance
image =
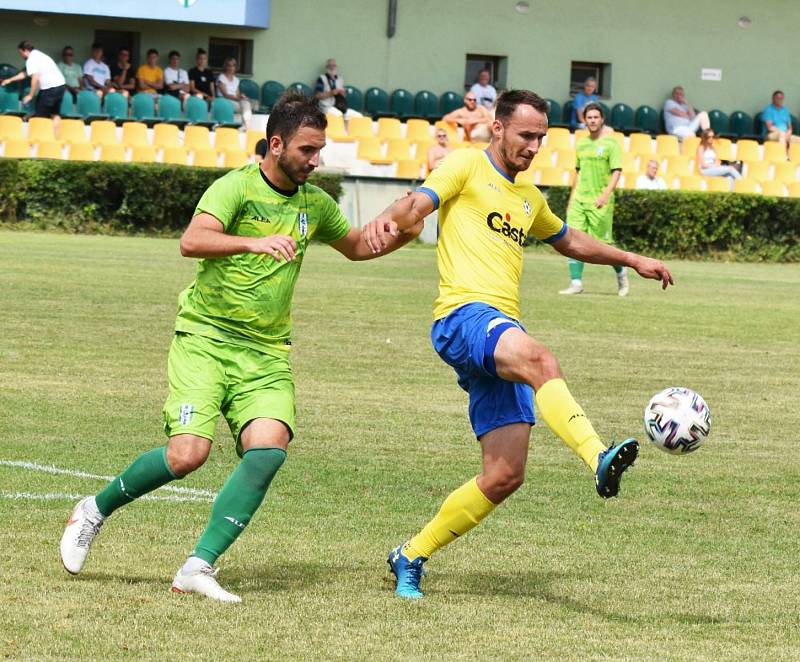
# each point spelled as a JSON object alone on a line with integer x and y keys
{"x": 650, "y": 181}
{"x": 484, "y": 91}
{"x": 96, "y": 74}
{"x": 680, "y": 117}
{"x": 176, "y": 80}
{"x": 46, "y": 79}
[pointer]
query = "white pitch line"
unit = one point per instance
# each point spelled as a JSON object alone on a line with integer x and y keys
{"x": 50, "y": 469}
{"x": 59, "y": 496}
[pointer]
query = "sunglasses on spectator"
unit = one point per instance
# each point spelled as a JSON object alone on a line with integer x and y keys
{"x": 441, "y": 135}
{"x": 470, "y": 99}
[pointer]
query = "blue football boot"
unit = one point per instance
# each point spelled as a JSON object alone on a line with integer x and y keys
{"x": 408, "y": 573}
{"x": 612, "y": 463}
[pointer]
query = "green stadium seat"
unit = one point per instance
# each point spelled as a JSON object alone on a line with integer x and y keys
{"x": 566, "y": 113}
{"x": 88, "y": 106}
{"x": 426, "y": 105}
{"x": 197, "y": 110}
{"x": 67, "y": 106}
{"x": 646, "y": 120}
{"x": 143, "y": 107}
{"x": 606, "y": 111}
{"x": 355, "y": 98}
{"x": 554, "y": 114}
{"x": 376, "y": 103}
{"x": 449, "y": 102}
{"x": 9, "y": 102}
{"x": 719, "y": 122}
{"x": 169, "y": 110}
{"x": 401, "y": 103}
{"x": 116, "y": 105}
{"x": 742, "y": 125}
{"x": 270, "y": 92}
{"x": 222, "y": 112}
{"x": 302, "y": 87}
{"x": 250, "y": 89}
{"x": 622, "y": 118}
{"x": 7, "y": 71}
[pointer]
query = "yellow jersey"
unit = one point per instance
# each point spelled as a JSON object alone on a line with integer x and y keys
{"x": 484, "y": 219}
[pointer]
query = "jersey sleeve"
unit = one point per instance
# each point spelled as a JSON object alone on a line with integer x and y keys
{"x": 449, "y": 177}
{"x": 546, "y": 226}
{"x": 614, "y": 156}
{"x": 333, "y": 224}
{"x": 223, "y": 199}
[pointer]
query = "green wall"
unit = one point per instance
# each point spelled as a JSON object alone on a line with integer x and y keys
{"x": 651, "y": 45}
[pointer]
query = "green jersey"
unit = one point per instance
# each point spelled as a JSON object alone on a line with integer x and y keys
{"x": 595, "y": 161}
{"x": 246, "y": 299}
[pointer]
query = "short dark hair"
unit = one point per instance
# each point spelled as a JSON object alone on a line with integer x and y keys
{"x": 97, "y": 44}
{"x": 201, "y": 51}
{"x": 67, "y": 48}
{"x": 508, "y": 101}
{"x": 25, "y": 45}
{"x": 594, "y": 106}
{"x": 171, "y": 53}
{"x": 152, "y": 51}
{"x": 293, "y": 111}
{"x": 261, "y": 148}
{"x": 777, "y": 92}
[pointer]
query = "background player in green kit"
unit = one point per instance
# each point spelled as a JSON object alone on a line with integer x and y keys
{"x": 591, "y": 203}
{"x": 230, "y": 353}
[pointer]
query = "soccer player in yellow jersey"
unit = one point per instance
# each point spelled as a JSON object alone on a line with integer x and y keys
{"x": 485, "y": 217}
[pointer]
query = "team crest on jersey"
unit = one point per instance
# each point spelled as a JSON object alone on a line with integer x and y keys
{"x": 527, "y": 207}
{"x": 186, "y": 413}
{"x": 303, "y": 222}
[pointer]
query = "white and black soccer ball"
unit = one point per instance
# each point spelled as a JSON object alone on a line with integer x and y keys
{"x": 677, "y": 420}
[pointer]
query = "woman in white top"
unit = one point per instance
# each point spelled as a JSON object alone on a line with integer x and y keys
{"x": 228, "y": 87}
{"x": 708, "y": 162}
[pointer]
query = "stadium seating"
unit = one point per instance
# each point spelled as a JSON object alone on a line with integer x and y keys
{"x": 80, "y": 152}
{"x": 769, "y": 187}
{"x": 724, "y": 149}
{"x": 114, "y": 153}
{"x": 196, "y": 110}
{"x": 689, "y": 146}
{"x": 553, "y": 177}
{"x": 566, "y": 112}
{"x": 559, "y": 138}
{"x": 360, "y": 127}
{"x": 758, "y": 170}
{"x": 115, "y": 105}
{"x": 774, "y": 152}
{"x": 49, "y": 150}
{"x": 250, "y": 89}
{"x": 745, "y": 186}
{"x": 178, "y": 156}
{"x": 336, "y": 130}
{"x": 134, "y": 134}
{"x": 253, "y": 136}
{"x": 169, "y": 108}
{"x": 622, "y": 118}
{"x": 417, "y": 129}
{"x": 719, "y": 122}
{"x": 72, "y": 131}
{"x": 449, "y": 102}
{"x": 9, "y": 101}
{"x": 67, "y": 106}
{"x": 718, "y": 184}
{"x": 667, "y": 145}
{"x": 226, "y": 139}
{"x": 143, "y": 154}
{"x": 17, "y": 149}
{"x": 678, "y": 166}
{"x": 794, "y": 189}
{"x": 741, "y": 125}
{"x": 690, "y": 183}
{"x": 401, "y": 103}
{"x": 398, "y": 149}
{"x": 747, "y": 150}
{"x": 222, "y": 111}
{"x": 426, "y": 105}
{"x": 143, "y": 107}
{"x": 103, "y": 132}
{"x": 166, "y": 136}
{"x": 196, "y": 137}
{"x": 554, "y": 113}
{"x": 646, "y": 120}
{"x": 389, "y": 128}
{"x": 408, "y": 169}
{"x": 369, "y": 149}
{"x": 565, "y": 158}
{"x": 88, "y": 105}
{"x": 270, "y": 93}
{"x": 355, "y": 98}
{"x": 301, "y": 87}
{"x": 376, "y": 102}
{"x": 640, "y": 143}
{"x": 40, "y": 129}
{"x": 785, "y": 172}
{"x": 234, "y": 158}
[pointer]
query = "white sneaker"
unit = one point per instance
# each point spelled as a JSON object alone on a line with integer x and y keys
{"x": 204, "y": 581}
{"x": 574, "y": 288}
{"x": 82, "y": 526}
{"x": 622, "y": 284}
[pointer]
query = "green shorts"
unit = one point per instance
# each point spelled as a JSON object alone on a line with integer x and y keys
{"x": 208, "y": 377}
{"x": 595, "y": 222}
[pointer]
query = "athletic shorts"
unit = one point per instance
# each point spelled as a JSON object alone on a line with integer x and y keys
{"x": 595, "y": 222}
{"x": 466, "y": 340}
{"x": 48, "y": 102}
{"x": 208, "y": 377}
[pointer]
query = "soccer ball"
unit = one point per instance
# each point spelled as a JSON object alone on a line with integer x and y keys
{"x": 677, "y": 420}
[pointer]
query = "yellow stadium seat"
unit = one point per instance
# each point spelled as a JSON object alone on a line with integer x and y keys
{"x": 253, "y": 136}
{"x": 205, "y": 158}
{"x": 80, "y": 152}
{"x": 450, "y": 127}
{"x": 552, "y": 177}
{"x": 369, "y": 149}
{"x": 165, "y": 136}
{"x": 640, "y": 143}
{"x": 134, "y": 134}
{"x": 667, "y": 145}
{"x": 389, "y": 128}
{"x": 691, "y": 183}
{"x": 747, "y": 150}
{"x": 724, "y": 149}
{"x": 559, "y": 138}
{"x": 177, "y": 155}
{"x": 758, "y": 170}
{"x": 17, "y": 149}
{"x": 678, "y": 166}
{"x": 227, "y": 138}
{"x": 336, "y": 130}
{"x": 718, "y": 184}
{"x": 785, "y": 172}
{"x": 143, "y": 154}
{"x": 420, "y": 149}
{"x": 745, "y": 186}
{"x": 773, "y": 188}
{"x": 417, "y": 129}
{"x": 619, "y": 137}
{"x": 544, "y": 157}
{"x": 114, "y": 153}
{"x": 408, "y": 169}
{"x": 774, "y": 152}
{"x": 40, "y": 129}
{"x": 360, "y": 127}
{"x": 49, "y": 150}
{"x": 72, "y": 132}
{"x": 196, "y": 137}
{"x": 398, "y": 149}
{"x": 10, "y": 128}
{"x": 235, "y": 158}
{"x": 629, "y": 178}
{"x": 794, "y": 152}
{"x": 794, "y": 189}
{"x": 628, "y": 162}
{"x": 581, "y": 133}
{"x": 103, "y": 132}
{"x": 689, "y": 146}
{"x": 565, "y": 158}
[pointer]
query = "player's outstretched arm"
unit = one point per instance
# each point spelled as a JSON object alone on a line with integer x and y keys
{"x": 580, "y": 246}
{"x": 205, "y": 238}
{"x": 354, "y": 247}
{"x": 400, "y": 217}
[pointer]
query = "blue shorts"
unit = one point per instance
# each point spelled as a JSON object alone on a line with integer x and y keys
{"x": 466, "y": 340}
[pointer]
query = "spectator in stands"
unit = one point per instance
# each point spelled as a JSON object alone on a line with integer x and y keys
{"x": 708, "y": 163}
{"x": 680, "y": 118}
{"x": 650, "y": 181}
{"x": 46, "y": 79}
{"x": 586, "y": 96}
{"x": 484, "y": 91}
{"x": 72, "y": 72}
{"x": 150, "y": 76}
{"x": 260, "y": 150}
{"x": 330, "y": 94}
{"x": 228, "y": 87}
{"x": 201, "y": 78}
{"x": 778, "y": 122}
{"x": 438, "y": 151}
{"x": 96, "y": 74}
{"x": 176, "y": 80}
{"x": 475, "y": 119}
{"x": 122, "y": 78}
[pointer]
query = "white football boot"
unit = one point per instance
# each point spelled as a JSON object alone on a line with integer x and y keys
{"x": 82, "y": 526}
{"x": 203, "y": 581}
{"x": 623, "y": 287}
{"x": 575, "y": 287}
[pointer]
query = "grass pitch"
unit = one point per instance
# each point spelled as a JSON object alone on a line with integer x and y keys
{"x": 698, "y": 559}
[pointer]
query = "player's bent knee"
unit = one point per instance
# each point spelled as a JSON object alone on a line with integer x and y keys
{"x": 187, "y": 452}
{"x": 542, "y": 366}
{"x": 500, "y": 485}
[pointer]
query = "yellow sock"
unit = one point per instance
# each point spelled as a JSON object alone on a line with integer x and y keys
{"x": 460, "y": 512}
{"x": 565, "y": 417}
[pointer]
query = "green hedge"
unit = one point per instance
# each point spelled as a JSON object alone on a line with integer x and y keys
{"x": 689, "y": 225}
{"x": 109, "y": 197}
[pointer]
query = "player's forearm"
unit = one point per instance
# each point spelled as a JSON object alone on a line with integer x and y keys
{"x": 580, "y": 246}
{"x": 363, "y": 252}
{"x": 406, "y": 212}
{"x": 612, "y": 184}
{"x": 203, "y": 243}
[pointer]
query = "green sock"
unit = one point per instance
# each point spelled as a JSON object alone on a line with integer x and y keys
{"x": 147, "y": 472}
{"x": 618, "y": 269}
{"x": 575, "y": 269}
{"x": 238, "y": 501}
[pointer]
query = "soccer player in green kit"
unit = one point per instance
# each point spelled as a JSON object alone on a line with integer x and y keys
{"x": 230, "y": 353}
{"x": 591, "y": 204}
